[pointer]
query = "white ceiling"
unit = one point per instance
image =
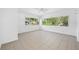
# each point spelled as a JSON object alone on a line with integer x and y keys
{"x": 38, "y": 11}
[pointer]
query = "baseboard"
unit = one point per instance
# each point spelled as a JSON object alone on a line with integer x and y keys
{"x": 9, "y": 41}
{"x": 60, "y": 33}
{"x": 29, "y": 31}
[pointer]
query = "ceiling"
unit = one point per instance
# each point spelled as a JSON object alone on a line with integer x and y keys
{"x": 42, "y": 11}
{"x": 39, "y": 11}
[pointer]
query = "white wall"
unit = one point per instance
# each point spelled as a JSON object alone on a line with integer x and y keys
{"x": 8, "y": 25}
{"x": 70, "y": 30}
{"x": 21, "y": 23}
{"x": 1, "y": 14}
{"x": 77, "y": 24}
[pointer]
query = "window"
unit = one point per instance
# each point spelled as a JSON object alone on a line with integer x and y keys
{"x": 56, "y": 21}
{"x": 31, "y": 21}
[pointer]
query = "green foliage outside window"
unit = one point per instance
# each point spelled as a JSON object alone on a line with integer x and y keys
{"x": 56, "y": 21}
{"x": 31, "y": 21}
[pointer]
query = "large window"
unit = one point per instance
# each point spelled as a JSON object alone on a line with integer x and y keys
{"x": 31, "y": 21}
{"x": 56, "y": 21}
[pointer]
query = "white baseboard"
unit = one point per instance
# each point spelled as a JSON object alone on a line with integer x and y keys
{"x": 60, "y": 32}
{"x": 9, "y": 41}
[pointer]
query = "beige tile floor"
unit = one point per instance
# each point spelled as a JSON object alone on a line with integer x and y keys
{"x": 42, "y": 40}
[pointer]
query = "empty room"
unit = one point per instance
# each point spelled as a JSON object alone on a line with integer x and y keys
{"x": 39, "y": 29}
